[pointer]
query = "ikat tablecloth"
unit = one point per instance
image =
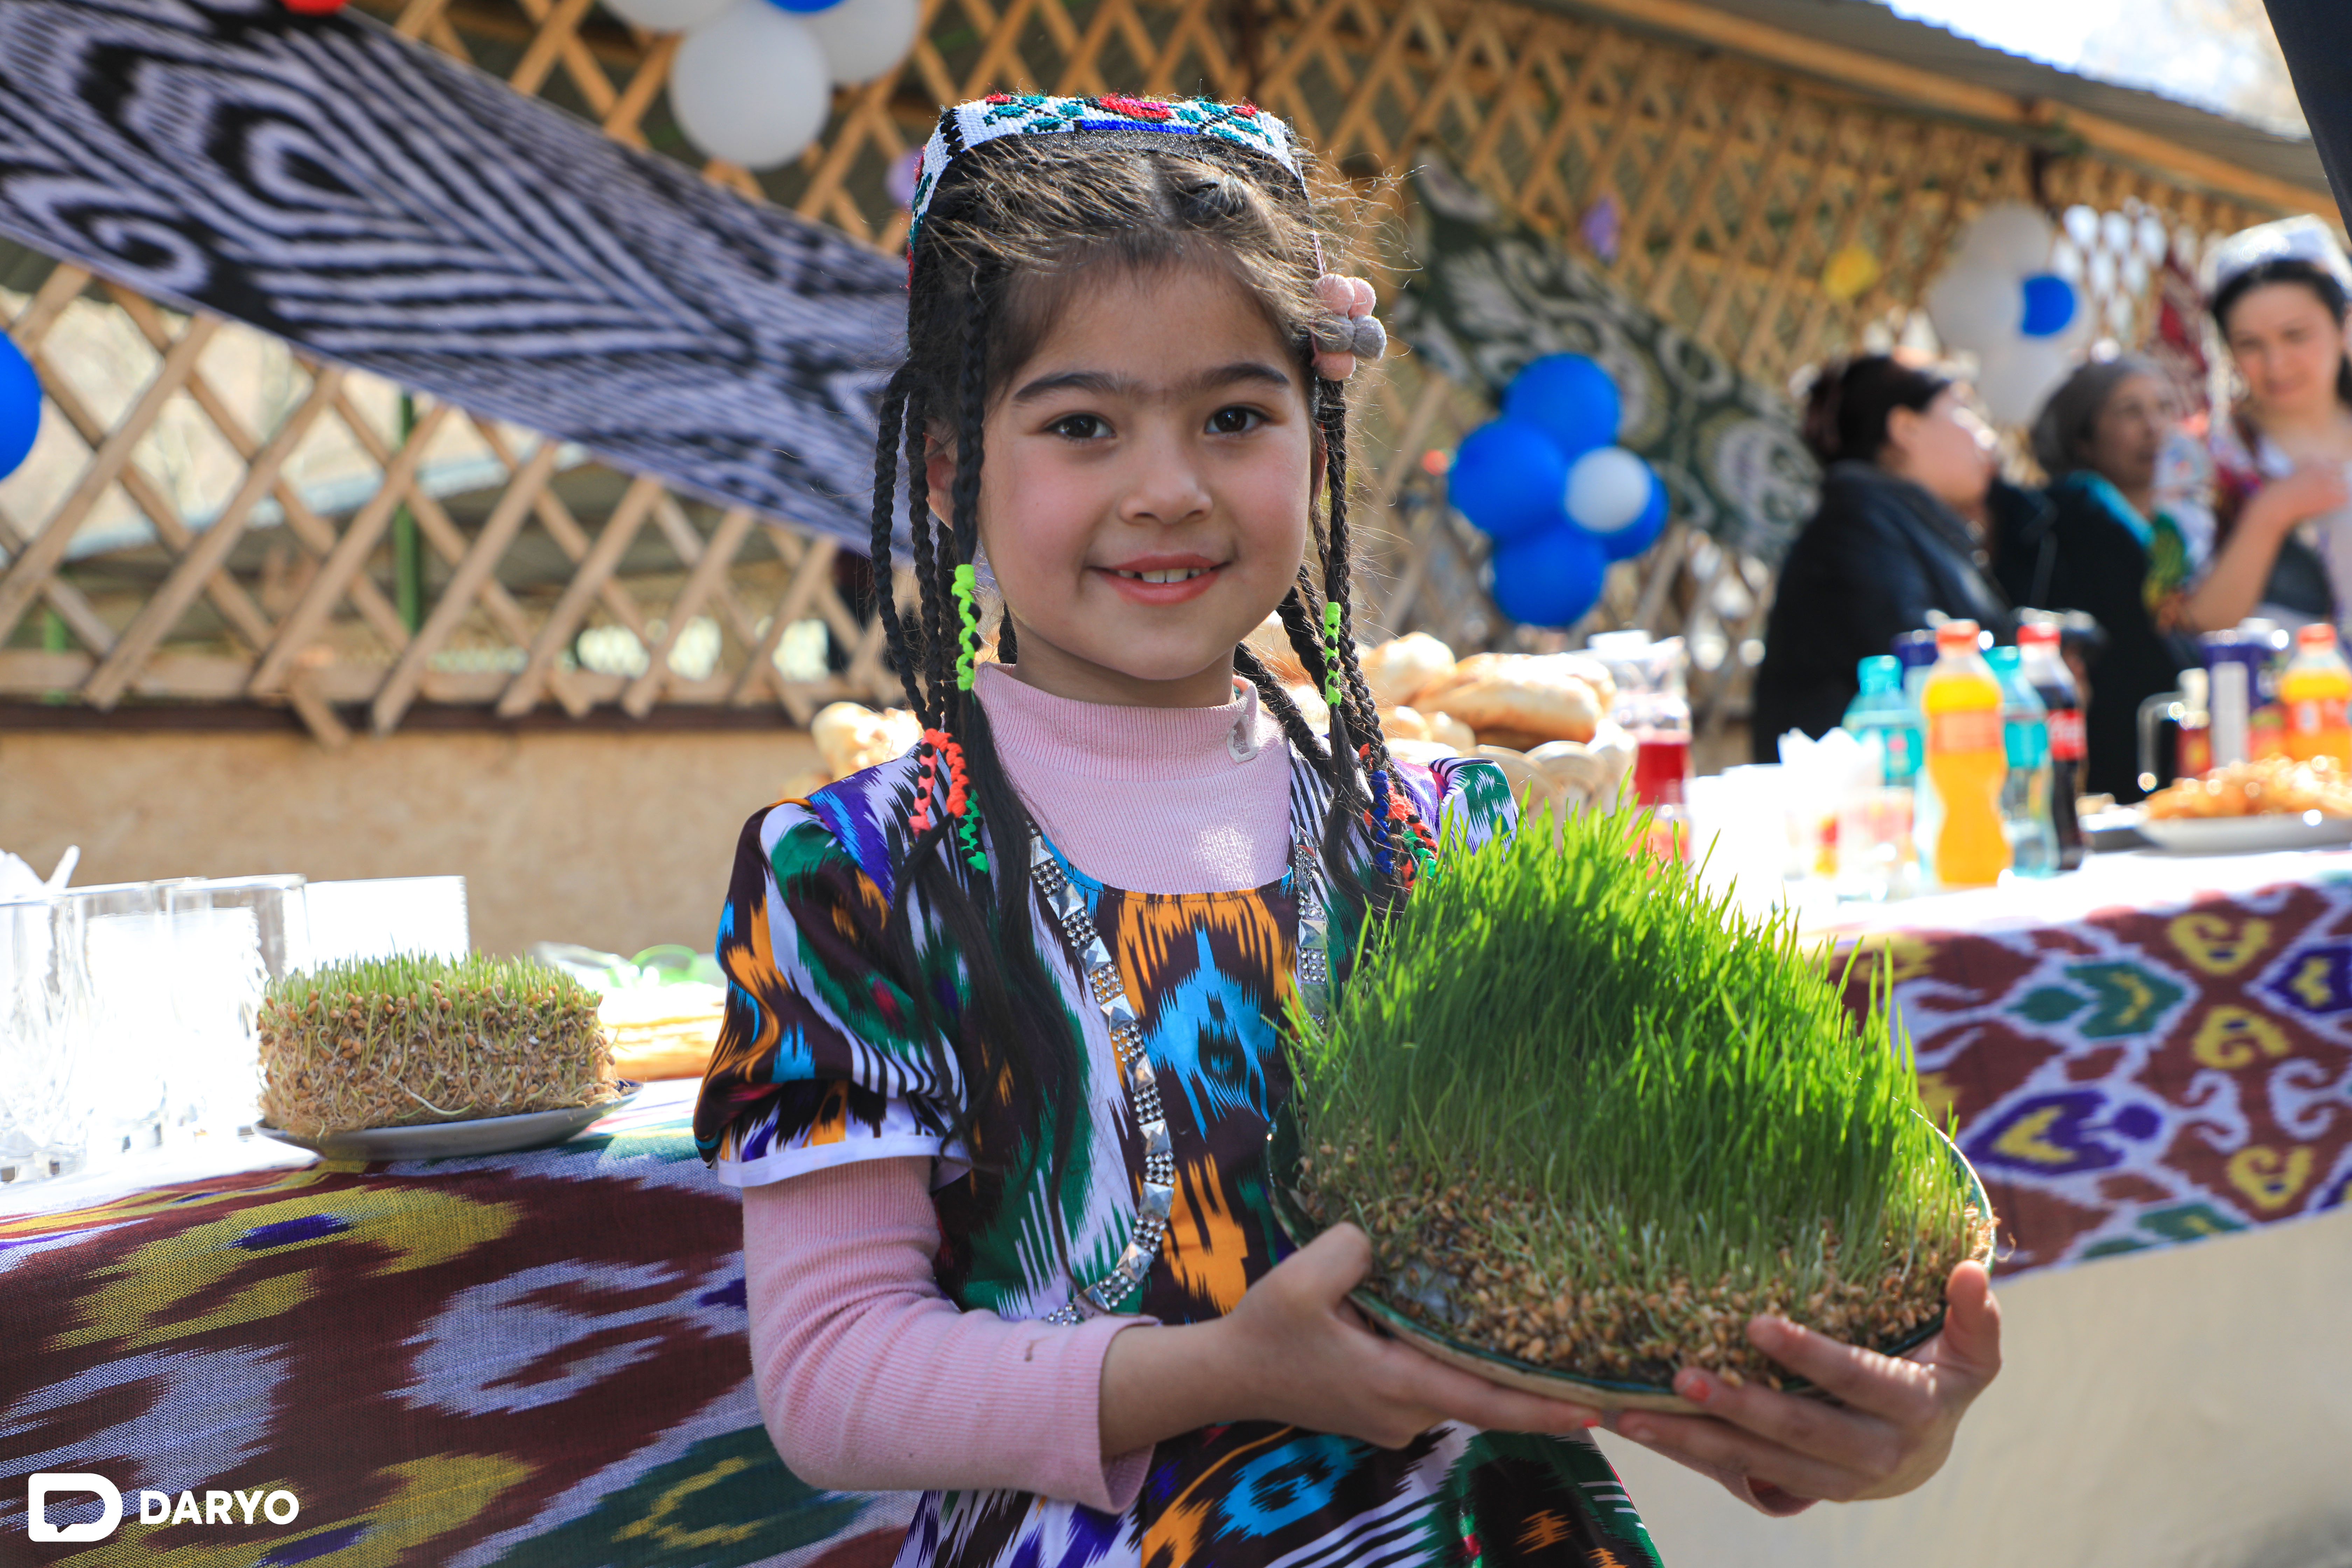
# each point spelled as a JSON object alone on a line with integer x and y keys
{"x": 538, "y": 1360}
{"x": 527, "y": 1361}
{"x": 2157, "y": 1051}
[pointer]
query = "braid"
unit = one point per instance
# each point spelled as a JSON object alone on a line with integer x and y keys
{"x": 919, "y": 531}
{"x": 1294, "y": 727}
{"x": 971, "y": 393}
{"x": 924, "y": 636}
{"x": 893, "y": 414}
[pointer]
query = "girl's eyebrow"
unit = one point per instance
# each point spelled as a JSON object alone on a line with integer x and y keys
{"x": 1108, "y": 386}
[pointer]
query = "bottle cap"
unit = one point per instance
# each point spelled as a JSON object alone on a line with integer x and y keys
{"x": 1954, "y": 638}
{"x": 1879, "y": 673}
{"x": 2004, "y": 660}
{"x": 2317, "y": 635}
{"x": 2037, "y": 634}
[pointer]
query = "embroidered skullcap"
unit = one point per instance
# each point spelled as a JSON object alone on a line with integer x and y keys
{"x": 1001, "y": 114}
{"x": 2303, "y": 239}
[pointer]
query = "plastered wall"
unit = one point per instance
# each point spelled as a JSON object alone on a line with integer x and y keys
{"x": 613, "y": 839}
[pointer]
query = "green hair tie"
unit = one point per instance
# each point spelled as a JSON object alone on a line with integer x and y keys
{"x": 967, "y": 637}
{"x": 1331, "y": 653}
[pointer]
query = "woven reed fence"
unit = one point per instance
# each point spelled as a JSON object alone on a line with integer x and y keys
{"x": 518, "y": 574}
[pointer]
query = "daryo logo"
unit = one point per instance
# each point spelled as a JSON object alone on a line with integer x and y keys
{"x": 154, "y": 1508}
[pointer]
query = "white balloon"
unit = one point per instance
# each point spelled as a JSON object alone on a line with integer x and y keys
{"x": 864, "y": 38}
{"x": 1608, "y": 490}
{"x": 2012, "y": 236}
{"x": 2014, "y": 382}
{"x": 1976, "y": 305}
{"x": 749, "y": 86}
{"x": 666, "y": 15}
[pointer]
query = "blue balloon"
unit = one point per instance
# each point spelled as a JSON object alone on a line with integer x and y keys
{"x": 1551, "y": 579}
{"x": 1569, "y": 398}
{"x": 2049, "y": 305}
{"x": 20, "y": 407}
{"x": 1643, "y": 533}
{"x": 1508, "y": 479}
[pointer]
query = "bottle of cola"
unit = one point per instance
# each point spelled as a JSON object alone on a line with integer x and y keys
{"x": 2051, "y": 682}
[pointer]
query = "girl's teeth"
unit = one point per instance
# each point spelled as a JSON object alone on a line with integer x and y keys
{"x": 1183, "y": 574}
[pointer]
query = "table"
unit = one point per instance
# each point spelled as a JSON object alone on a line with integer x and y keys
{"x": 539, "y": 1358}
{"x": 2153, "y": 1051}
{"x": 524, "y": 1360}
{"x": 2156, "y": 1049}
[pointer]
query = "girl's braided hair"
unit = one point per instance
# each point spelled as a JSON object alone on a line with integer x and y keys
{"x": 1014, "y": 225}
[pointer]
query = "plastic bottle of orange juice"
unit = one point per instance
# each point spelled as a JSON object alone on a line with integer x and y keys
{"x": 2313, "y": 689}
{"x": 1960, "y": 831}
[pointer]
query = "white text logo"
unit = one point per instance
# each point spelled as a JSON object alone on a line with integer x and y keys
{"x": 154, "y": 1508}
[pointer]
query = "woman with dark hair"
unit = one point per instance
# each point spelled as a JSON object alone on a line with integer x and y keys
{"x": 2138, "y": 557}
{"x": 1886, "y": 550}
{"x": 2280, "y": 456}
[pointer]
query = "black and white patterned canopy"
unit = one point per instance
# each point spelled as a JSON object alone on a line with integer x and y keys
{"x": 385, "y": 206}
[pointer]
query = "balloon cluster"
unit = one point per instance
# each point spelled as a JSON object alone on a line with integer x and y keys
{"x": 753, "y": 80}
{"x": 1548, "y": 483}
{"x": 1998, "y": 300}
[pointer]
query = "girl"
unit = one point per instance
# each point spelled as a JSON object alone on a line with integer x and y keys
{"x": 1885, "y": 550}
{"x": 999, "y": 1053}
{"x": 2280, "y": 456}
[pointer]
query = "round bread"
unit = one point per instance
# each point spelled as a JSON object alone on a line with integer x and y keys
{"x": 1445, "y": 729}
{"x": 1271, "y": 642}
{"x": 1398, "y": 671}
{"x": 1402, "y": 723}
{"x": 852, "y": 737}
{"x": 1421, "y": 751}
{"x": 1538, "y": 697}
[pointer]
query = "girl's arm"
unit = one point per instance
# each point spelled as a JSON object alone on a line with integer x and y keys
{"x": 870, "y": 1379}
{"x": 2233, "y": 585}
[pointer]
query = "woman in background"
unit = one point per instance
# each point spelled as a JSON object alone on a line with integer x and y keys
{"x": 1886, "y": 550}
{"x": 2280, "y": 457}
{"x": 2137, "y": 556}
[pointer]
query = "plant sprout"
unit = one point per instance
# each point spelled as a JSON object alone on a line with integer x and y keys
{"x": 1593, "y": 1116}
{"x": 397, "y": 1042}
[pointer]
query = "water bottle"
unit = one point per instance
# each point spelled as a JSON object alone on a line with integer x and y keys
{"x": 2025, "y": 818}
{"x": 1874, "y": 847}
{"x": 2046, "y": 672}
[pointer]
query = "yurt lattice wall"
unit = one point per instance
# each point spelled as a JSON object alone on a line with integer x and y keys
{"x": 350, "y": 551}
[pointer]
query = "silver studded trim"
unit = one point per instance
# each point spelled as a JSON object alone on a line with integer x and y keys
{"x": 1104, "y": 983}
{"x": 1109, "y": 992}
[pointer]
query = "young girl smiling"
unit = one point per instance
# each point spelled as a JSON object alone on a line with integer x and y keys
{"x": 1001, "y": 1048}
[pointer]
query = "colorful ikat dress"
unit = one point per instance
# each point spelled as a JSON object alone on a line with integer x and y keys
{"x": 820, "y": 1063}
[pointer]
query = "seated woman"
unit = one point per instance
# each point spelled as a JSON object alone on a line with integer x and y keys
{"x": 1886, "y": 551}
{"x": 2140, "y": 561}
{"x": 2280, "y": 456}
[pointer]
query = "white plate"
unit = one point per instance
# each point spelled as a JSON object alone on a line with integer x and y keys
{"x": 2246, "y": 834}
{"x": 452, "y": 1139}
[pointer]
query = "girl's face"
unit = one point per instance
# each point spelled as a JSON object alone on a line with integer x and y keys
{"x": 1944, "y": 448}
{"x": 2128, "y": 435}
{"x": 2287, "y": 345}
{"x": 1145, "y": 486}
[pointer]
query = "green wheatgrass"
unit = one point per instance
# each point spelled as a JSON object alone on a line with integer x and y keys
{"x": 1594, "y": 1118}
{"x": 397, "y": 1042}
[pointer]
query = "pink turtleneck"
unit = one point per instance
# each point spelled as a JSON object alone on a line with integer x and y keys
{"x": 1151, "y": 799}
{"x": 869, "y": 1378}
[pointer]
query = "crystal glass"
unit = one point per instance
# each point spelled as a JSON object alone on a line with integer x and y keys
{"x": 126, "y": 1044}
{"x": 44, "y": 1006}
{"x": 215, "y": 957}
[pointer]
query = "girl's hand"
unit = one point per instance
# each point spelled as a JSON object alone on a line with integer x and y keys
{"x": 1890, "y": 1430}
{"x": 1307, "y": 1359}
{"x": 2307, "y": 492}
